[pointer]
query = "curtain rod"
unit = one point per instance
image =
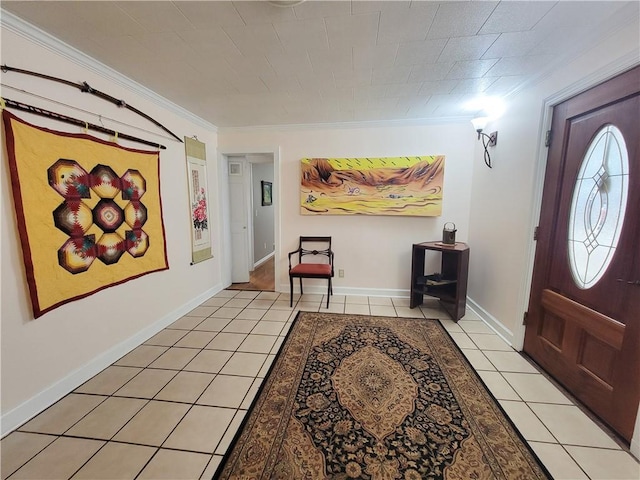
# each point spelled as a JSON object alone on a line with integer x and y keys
{"x": 74, "y": 121}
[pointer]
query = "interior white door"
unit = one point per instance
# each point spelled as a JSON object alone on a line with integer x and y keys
{"x": 239, "y": 227}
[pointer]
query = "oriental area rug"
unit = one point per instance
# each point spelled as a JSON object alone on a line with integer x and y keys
{"x": 378, "y": 398}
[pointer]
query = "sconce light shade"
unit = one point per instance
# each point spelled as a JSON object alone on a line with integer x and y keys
{"x": 479, "y": 123}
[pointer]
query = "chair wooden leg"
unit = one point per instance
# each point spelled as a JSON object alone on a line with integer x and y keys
{"x": 301, "y": 292}
{"x": 329, "y": 292}
{"x": 291, "y": 291}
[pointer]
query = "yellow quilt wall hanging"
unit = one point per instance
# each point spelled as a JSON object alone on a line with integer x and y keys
{"x": 89, "y": 212}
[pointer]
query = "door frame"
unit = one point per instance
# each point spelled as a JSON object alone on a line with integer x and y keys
{"x": 602, "y": 75}
{"x": 224, "y": 208}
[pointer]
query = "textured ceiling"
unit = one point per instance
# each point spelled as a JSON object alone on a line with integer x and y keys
{"x": 247, "y": 63}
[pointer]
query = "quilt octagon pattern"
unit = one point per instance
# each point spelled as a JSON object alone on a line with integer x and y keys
{"x": 74, "y": 217}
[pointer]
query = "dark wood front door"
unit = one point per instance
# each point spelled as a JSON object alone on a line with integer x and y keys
{"x": 583, "y": 324}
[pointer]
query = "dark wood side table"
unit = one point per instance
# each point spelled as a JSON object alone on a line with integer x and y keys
{"x": 451, "y": 288}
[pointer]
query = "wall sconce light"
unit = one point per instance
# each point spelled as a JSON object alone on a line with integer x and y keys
{"x": 487, "y": 140}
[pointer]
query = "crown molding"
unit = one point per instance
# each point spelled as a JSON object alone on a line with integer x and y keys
{"x": 32, "y": 33}
{"x": 612, "y": 69}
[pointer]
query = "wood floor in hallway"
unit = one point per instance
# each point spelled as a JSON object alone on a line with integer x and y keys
{"x": 262, "y": 278}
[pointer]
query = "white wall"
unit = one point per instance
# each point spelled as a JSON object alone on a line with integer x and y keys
{"x": 374, "y": 251}
{"x": 505, "y": 200}
{"x": 43, "y": 359}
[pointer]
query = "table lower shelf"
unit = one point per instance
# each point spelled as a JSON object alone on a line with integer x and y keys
{"x": 446, "y": 293}
{"x": 448, "y": 300}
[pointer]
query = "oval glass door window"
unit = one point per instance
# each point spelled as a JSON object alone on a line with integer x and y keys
{"x": 598, "y": 206}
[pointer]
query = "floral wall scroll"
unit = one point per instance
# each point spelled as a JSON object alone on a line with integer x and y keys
{"x": 198, "y": 200}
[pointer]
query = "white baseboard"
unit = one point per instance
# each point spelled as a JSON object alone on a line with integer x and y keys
{"x": 321, "y": 289}
{"x": 263, "y": 259}
{"x": 36, "y": 404}
{"x": 491, "y": 321}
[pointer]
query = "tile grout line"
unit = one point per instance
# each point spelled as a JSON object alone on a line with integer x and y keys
{"x": 255, "y": 378}
{"x": 37, "y": 453}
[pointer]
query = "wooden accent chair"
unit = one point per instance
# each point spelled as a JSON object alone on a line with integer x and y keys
{"x": 315, "y": 266}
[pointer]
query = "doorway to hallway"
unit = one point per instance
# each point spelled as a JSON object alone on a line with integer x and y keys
{"x": 250, "y": 220}
{"x": 261, "y": 278}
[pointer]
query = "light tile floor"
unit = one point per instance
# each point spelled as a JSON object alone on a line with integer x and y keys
{"x": 170, "y": 408}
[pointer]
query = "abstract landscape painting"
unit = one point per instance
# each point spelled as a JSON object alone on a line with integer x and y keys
{"x": 409, "y": 186}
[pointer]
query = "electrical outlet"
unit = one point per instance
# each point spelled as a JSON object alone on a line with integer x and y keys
{"x": 265, "y": 246}
{"x": 341, "y": 273}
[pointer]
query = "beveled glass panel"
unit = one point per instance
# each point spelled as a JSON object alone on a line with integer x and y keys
{"x": 598, "y": 206}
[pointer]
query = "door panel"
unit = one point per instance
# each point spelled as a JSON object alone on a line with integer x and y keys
{"x": 239, "y": 222}
{"x": 586, "y": 333}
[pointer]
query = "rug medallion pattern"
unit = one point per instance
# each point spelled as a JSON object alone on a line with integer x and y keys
{"x": 375, "y": 398}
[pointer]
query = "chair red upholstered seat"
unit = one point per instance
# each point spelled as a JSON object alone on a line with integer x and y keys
{"x": 311, "y": 269}
{"x": 317, "y": 264}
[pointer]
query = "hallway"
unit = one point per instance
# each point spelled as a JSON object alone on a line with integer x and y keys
{"x": 170, "y": 408}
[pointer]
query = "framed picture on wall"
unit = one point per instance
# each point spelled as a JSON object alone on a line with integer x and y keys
{"x": 266, "y": 193}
